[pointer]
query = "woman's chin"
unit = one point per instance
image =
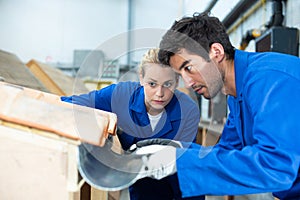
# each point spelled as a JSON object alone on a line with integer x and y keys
{"x": 156, "y": 110}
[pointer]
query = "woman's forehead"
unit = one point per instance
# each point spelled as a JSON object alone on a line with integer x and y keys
{"x": 158, "y": 72}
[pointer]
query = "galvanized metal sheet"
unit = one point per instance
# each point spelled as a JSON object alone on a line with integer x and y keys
{"x": 106, "y": 170}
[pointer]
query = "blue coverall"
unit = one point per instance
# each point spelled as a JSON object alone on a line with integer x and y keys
{"x": 259, "y": 150}
{"x": 126, "y": 100}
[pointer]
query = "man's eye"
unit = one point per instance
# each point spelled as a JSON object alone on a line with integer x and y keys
{"x": 152, "y": 84}
{"x": 188, "y": 68}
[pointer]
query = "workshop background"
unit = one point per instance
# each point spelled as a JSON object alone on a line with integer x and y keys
{"x": 67, "y": 47}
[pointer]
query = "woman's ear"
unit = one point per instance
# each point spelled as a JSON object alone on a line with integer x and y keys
{"x": 177, "y": 80}
{"x": 217, "y": 52}
{"x": 141, "y": 78}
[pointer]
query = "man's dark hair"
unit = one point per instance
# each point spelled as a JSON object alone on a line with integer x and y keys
{"x": 195, "y": 34}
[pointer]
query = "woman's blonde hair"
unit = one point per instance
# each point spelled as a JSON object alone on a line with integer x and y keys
{"x": 151, "y": 56}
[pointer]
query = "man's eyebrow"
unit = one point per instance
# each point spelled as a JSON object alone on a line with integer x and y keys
{"x": 184, "y": 64}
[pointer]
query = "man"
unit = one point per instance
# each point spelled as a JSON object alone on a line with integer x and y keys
{"x": 259, "y": 150}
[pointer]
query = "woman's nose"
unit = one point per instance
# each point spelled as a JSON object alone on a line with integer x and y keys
{"x": 159, "y": 91}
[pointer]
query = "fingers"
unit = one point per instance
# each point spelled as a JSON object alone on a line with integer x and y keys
{"x": 160, "y": 141}
{"x": 162, "y": 163}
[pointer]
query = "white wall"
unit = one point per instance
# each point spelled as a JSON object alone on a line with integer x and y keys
{"x": 50, "y": 30}
{"x": 155, "y": 17}
{"x": 293, "y": 14}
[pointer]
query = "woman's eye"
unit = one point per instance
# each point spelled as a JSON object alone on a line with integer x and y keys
{"x": 167, "y": 84}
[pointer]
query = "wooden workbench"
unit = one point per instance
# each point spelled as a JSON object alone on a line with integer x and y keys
{"x": 39, "y": 138}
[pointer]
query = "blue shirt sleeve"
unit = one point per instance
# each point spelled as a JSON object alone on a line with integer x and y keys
{"x": 190, "y": 123}
{"x": 99, "y": 99}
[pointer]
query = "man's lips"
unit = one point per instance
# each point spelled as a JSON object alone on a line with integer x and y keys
{"x": 199, "y": 90}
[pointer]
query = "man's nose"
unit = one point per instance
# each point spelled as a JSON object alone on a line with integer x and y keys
{"x": 188, "y": 81}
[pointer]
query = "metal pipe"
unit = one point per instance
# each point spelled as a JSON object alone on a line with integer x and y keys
{"x": 245, "y": 16}
{"x": 237, "y": 11}
{"x": 129, "y": 32}
{"x": 211, "y": 5}
{"x": 277, "y": 17}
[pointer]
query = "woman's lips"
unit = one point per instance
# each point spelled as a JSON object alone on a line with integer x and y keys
{"x": 158, "y": 101}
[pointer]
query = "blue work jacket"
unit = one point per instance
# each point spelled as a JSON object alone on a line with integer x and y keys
{"x": 126, "y": 99}
{"x": 259, "y": 150}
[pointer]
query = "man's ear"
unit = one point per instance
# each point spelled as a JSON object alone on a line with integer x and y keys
{"x": 217, "y": 52}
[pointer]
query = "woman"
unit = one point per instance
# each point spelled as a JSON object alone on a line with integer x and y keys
{"x": 151, "y": 108}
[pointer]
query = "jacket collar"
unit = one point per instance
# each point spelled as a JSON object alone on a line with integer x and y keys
{"x": 174, "y": 107}
{"x": 137, "y": 101}
{"x": 240, "y": 65}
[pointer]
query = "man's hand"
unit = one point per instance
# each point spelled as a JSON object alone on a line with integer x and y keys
{"x": 161, "y": 163}
{"x": 159, "y": 157}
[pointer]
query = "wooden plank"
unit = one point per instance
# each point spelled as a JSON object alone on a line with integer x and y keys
{"x": 44, "y": 78}
{"x": 46, "y": 112}
{"x": 32, "y": 166}
{"x": 98, "y": 194}
{"x": 39, "y": 135}
{"x": 55, "y": 80}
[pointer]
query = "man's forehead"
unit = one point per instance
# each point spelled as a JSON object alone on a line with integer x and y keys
{"x": 182, "y": 55}
{"x": 178, "y": 59}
